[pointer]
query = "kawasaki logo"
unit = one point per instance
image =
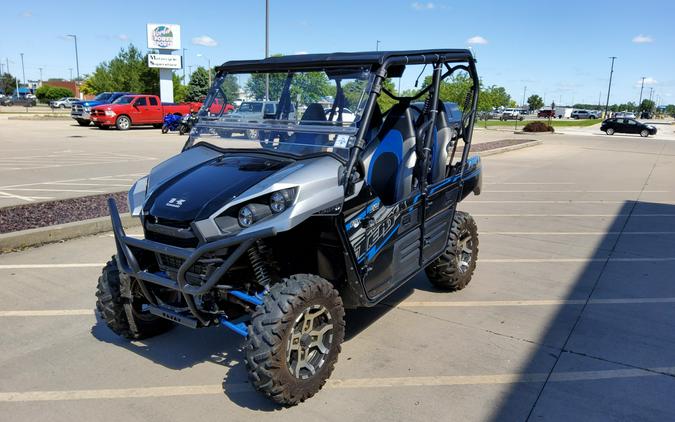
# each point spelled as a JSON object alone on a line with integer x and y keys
{"x": 175, "y": 203}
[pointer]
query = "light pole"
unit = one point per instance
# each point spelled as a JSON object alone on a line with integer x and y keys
{"x": 71, "y": 73}
{"x": 641, "y": 88}
{"x": 524, "y": 95}
{"x": 77, "y": 59}
{"x": 209, "y": 61}
{"x": 377, "y": 45}
{"x": 267, "y": 47}
{"x": 609, "y": 89}
{"x": 184, "y": 50}
{"x": 23, "y": 70}
{"x": 651, "y": 92}
{"x": 40, "y": 75}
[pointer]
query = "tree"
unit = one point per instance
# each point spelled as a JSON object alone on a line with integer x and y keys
{"x": 492, "y": 97}
{"x": 670, "y": 109}
{"x": 7, "y": 83}
{"x": 535, "y": 102}
{"x": 230, "y": 87}
{"x": 647, "y": 106}
{"x": 255, "y": 86}
{"x": 198, "y": 86}
{"x": 48, "y": 93}
{"x": 128, "y": 71}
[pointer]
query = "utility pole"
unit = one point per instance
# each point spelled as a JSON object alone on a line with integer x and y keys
{"x": 267, "y": 47}
{"x": 524, "y": 95}
{"x": 184, "y": 50}
{"x": 651, "y": 92}
{"x": 40, "y": 75}
{"x": 71, "y": 73}
{"x": 609, "y": 89}
{"x": 641, "y": 88}
{"x": 23, "y": 70}
{"x": 77, "y": 59}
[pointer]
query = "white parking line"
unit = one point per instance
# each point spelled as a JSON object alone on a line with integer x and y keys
{"x": 12, "y": 196}
{"x": 404, "y": 304}
{"x": 530, "y": 183}
{"x": 55, "y": 190}
{"x": 538, "y": 302}
{"x": 570, "y": 201}
{"x": 49, "y": 313}
{"x": 348, "y": 383}
{"x": 573, "y": 215}
{"x": 30, "y": 266}
{"x": 554, "y": 260}
{"x": 576, "y": 233}
{"x": 576, "y": 191}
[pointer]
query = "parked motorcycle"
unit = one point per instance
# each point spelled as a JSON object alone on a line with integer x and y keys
{"x": 171, "y": 123}
{"x": 186, "y": 123}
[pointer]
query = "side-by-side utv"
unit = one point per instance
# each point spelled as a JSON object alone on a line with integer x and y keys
{"x": 273, "y": 235}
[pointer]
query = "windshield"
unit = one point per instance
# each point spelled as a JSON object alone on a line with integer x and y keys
{"x": 299, "y": 113}
{"x": 102, "y": 96}
{"x": 125, "y": 99}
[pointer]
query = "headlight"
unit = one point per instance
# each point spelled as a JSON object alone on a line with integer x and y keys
{"x": 249, "y": 214}
{"x": 278, "y": 202}
{"x": 110, "y": 113}
{"x": 86, "y": 108}
{"x": 136, "y": 196}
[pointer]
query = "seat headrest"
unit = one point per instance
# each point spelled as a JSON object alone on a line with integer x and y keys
{"x": 314, "y": 113}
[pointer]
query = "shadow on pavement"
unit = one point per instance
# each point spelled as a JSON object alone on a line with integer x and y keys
{"x": 607, "y": 336}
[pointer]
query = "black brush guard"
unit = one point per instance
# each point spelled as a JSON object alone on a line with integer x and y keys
{"x": 129, "y": 265}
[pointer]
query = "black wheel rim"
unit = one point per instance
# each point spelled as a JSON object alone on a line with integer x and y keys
{"x": 310, "y": 342}
{"x": 464, "y": 255}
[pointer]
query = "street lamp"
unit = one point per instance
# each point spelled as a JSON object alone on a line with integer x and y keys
{"x": 641, "y": 88}
{"x": 609, "y": 89}
{"x": 209, "y": 61}
{"x": 23, "y": 70}
{"x": 267, "y": 47}
{"x": 77, "y": 59}
{"x": 377, "y": 45}
{"x": 184, "y": 50}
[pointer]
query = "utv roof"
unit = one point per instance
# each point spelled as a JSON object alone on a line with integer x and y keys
{"x": 368, "y": 58}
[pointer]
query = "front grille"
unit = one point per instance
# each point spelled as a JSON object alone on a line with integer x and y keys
{"x": 97, "y": 113}
{"x": 195, "y": 274}
{"x": 170, "y": 232}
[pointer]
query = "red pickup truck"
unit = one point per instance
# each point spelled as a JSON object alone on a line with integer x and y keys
{"x": 130, "y": 110}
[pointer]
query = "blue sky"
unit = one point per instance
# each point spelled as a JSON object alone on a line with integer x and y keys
{"x": 558, "y": 50}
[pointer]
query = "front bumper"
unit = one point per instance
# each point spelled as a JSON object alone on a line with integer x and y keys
{"x": 103, "y": 120}
{"x": 80, "y": 115}
{"x": 128, "y": 263}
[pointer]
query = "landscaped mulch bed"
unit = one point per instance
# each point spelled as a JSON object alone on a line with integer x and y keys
{"x": 498, "y": 144}
{"x": 42, "y": 214}
{"x": 49, "y": 213}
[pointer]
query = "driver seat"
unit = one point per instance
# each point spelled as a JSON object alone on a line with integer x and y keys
{"x": 390, "y": 157}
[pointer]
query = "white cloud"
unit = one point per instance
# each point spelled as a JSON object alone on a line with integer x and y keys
{"x": 123, "y": 37}
{"x": 423, "y": 5}
{"x": 642, "y": 39}
{"x": 205, "y": 41}
{"x": 648, "y": 81}
{"x": 301, "y": 52}
{"x": 477, "y": 40}
{"x": 26, "y": 14}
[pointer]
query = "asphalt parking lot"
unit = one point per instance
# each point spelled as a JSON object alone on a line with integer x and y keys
{"x": 43, "y": 160}
{"x": 570, "y": 315}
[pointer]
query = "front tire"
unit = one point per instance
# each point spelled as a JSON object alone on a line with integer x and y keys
{"x": 124, "y": 316}
{"x": 453, "y": 269}
{"x": 83, "y": 122}
{"x": 644, "y": 133}
{"x": 123, "y": 122}
{"x": 165, "y": 129}
{"x": 610, "y": 131}
{"x": 294, "y": 338}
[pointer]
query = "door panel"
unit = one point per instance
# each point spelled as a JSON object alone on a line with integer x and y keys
{"x": 386, "y": 242}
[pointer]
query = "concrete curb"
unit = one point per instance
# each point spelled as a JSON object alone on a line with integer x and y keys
{"x": 508, "y": 148}
{"x": 34, "y": 237}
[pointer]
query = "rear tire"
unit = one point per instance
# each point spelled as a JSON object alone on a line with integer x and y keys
{"x": 294, "y": 338}
{"x": 644, "y": 133}
{"x": 610, "y": 131}
{"x": 124, "y": 316}
{"x": 453, "y": 269}
{"x": 123, "y": 122}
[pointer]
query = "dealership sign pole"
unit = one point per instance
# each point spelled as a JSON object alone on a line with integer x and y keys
{"x": 166, "y": 39}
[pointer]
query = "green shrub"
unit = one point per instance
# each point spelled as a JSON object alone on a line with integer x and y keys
{"x": 48, "y": 93}
{"x": 538, "y": 127}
